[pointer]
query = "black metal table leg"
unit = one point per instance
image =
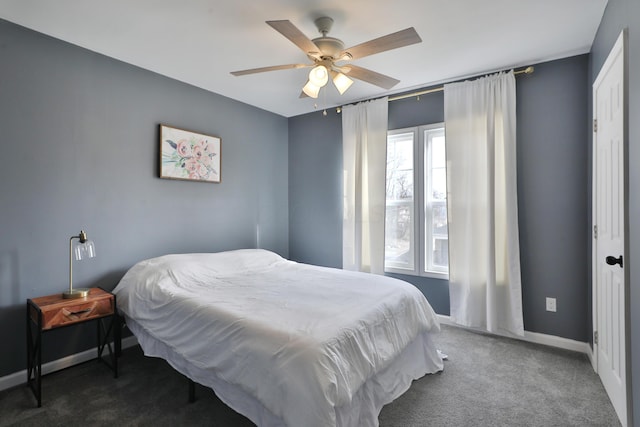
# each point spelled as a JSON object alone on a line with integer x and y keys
{"x": 104, "y": 333}
{"x": 34, "y": 354}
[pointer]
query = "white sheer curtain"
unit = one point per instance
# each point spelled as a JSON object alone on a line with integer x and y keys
{"x": 364, "y": 146}
{"x": 484, "y": 251}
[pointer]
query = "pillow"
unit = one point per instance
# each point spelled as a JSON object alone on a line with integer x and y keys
{"x": 216, "y": 264}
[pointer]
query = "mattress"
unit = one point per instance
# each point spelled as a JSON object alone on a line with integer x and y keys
{"x": 284, "y": 343}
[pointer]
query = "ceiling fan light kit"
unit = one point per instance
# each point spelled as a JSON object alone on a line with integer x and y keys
{"x": 325, "y": 52}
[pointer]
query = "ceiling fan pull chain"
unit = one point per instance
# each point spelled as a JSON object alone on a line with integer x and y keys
{"x": 324, "y": 101}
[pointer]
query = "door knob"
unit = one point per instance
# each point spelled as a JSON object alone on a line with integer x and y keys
{"x": 613, "y": 260}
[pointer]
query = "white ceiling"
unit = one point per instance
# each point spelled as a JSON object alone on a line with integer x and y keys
{"x": 201, "y": 41}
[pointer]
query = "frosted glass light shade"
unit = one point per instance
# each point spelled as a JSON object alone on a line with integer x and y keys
{"x": 311, "y": 89}
{"x": 319, "y": 76}
{"x": 342, "y": 82}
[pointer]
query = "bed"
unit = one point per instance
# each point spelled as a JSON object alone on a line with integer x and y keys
{"x": 283, "y": 343}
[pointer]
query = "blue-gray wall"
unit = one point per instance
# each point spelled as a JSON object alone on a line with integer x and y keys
{"x": 79, "y": 150}
{"x": 315, "y": 185}
{"x": 553, "y": 207}
{"x": 552, "y": 185}
{"x": 621, "y": 14}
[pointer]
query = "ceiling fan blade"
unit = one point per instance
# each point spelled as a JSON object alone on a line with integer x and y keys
{"x": 369, "y": 76}
{"x": 272, "y": 68}
{"x": 401, "y": 38}
{"x": 297, "y": 37}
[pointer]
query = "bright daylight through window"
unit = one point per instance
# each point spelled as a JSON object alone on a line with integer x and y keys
{"x": 416, "y": 236}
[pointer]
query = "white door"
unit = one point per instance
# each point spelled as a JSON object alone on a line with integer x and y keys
{"x": 609, "y": 262}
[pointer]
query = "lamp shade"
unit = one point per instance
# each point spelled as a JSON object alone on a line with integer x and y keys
{"x": 342, "y": 82}
{"x": 85, "y": 250}
{"x": 319, "y": 76}
{"x": 311, "y": 89}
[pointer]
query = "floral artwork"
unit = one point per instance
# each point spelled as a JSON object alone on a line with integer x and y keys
{"x": 188, "y": 155}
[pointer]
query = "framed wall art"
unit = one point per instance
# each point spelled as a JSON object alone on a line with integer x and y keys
{"x": 188, "y": 155}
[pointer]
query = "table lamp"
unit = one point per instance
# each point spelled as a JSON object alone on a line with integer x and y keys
{"x": 84, "y": 249}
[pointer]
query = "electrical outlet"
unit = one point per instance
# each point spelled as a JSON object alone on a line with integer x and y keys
{"x": 551, "y": 304}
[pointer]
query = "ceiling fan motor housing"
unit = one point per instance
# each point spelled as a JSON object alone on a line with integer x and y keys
{"x": 329, "y": 46}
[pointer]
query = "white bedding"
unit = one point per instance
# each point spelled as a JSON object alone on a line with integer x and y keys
{"x": 281, "y": 342}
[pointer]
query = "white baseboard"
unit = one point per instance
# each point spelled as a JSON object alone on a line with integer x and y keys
{"x": 537, "y": 338}
{"x": 20, "y": 377}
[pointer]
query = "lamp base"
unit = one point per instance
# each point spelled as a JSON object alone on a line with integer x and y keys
{"x": 76, "y": 293}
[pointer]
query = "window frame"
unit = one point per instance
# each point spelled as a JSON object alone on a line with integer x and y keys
{"x": 419, "y": 229}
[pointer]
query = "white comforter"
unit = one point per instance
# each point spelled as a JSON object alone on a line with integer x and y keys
{"x": 300, "y": 339}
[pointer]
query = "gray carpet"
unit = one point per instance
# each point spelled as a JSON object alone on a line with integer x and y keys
{"x": 487, "y": 381}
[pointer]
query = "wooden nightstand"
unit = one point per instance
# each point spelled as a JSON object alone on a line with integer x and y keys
{"x": 54, "y": 311}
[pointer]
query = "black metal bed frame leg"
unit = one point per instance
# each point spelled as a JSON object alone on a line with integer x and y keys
{"x": 118, "y": 334}
{"x": 192, "y": 391}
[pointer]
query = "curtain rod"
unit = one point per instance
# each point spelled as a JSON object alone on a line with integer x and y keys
{"x": 528, "y": 70}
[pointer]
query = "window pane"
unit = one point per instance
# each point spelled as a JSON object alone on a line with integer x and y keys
{"x": 399, "y": 223}
{"x": 440, "y": 239}
{"x": 441, "y": 253}
{"x": 400, "y": 167}
{"x": 437, "y": 150}
{"x": 439, "y": 217}
{"x": 399, "y": 236}
{"x": 439, "y": 184}
{"x": 436, "y": 244}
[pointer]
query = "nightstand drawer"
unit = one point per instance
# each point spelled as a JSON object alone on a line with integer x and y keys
{"x": 76, "y": 313}
{"x": 58, "y": 312}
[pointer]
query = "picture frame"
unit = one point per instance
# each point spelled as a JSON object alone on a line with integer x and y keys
{"x": 189, "y": 156}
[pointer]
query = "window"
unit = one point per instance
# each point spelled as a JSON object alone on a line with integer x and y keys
{"x": 400, "y": 209}
{"x": 416, "y": 233}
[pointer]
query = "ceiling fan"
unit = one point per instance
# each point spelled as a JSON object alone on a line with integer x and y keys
{"x": 328, "y": 56}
